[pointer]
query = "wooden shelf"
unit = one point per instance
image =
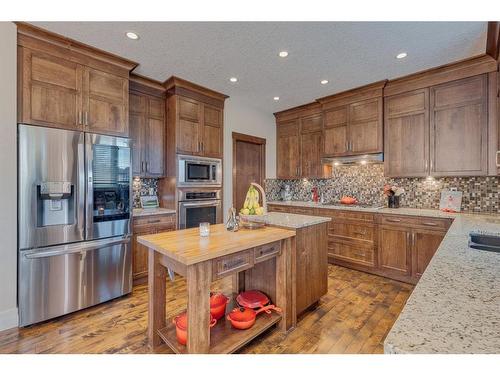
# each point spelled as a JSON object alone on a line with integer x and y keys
{"x": 224, "y": 338}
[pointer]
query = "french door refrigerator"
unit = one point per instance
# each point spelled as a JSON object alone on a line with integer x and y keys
{"x": 74, "y": 192}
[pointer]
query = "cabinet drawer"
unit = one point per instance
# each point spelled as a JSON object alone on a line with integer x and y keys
{"x": 352, "y": 231}
{"x": 278, "y": 209}
{"x": 302, "y": 211}
{"x": 399, "y": 220}
{"x": 351, "y": 215}
{"x": 230, "y": 264}
{"x": 156, "y": 219}
{"x": 351, "y": 253}
{"x": 434, "y": 223}
{"x": 268, "y": 251}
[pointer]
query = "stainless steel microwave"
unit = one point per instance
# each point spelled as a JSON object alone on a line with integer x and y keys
{"x": 198, "y": 171}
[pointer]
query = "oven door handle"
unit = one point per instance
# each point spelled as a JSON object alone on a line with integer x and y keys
{"x": 200, "y": 204}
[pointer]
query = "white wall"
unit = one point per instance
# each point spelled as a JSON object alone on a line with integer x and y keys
{"x": 241, "y": 117}
{"x": 8, "y": 173}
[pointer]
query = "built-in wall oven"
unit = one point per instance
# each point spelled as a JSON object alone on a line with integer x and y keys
{"x": 199, "y": 205}
{"x": 198, "y": 171}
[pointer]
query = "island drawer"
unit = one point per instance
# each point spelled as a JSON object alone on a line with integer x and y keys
{"x": 230, "y": 264}
{"x": 265, "y": 252}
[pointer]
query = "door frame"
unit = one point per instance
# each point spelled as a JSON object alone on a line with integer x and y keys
{"x": 250, "y": 139}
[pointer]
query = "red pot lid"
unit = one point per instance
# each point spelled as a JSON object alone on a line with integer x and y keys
{"x": 252, "y": 299}
{"x": 217, "y": 299}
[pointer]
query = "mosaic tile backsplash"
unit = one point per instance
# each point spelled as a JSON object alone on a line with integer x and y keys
{"x": 365, "y": 182}
{"x": 142, "y": 186}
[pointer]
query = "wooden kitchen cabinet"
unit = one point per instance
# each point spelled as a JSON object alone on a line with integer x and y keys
{"x": 394, "y": 251}
{"x": 406, "y": 151}
{"x": 288, "y": 150}
{"x": 195, "y": 118}
{"x": 147, "y": 127}
{"x": 299, "y": 143}
{"x": 65, "y": 84}
{"x": 143, "y": 226}
{"x": 459, "y": 126}
{"x": 353, "y": 121}
{"x": 424, "y": 246}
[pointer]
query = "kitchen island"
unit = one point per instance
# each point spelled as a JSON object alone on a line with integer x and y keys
{"x": 259, "y": 259}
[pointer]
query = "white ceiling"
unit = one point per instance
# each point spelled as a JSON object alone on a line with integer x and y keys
{"x": 348, "y": 54}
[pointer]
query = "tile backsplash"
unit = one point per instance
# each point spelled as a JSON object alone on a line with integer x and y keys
{"x": 365, "y": 182}
{"x": 142, "y": 186}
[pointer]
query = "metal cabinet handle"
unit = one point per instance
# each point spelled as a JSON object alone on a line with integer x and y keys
{"x": 347, "y": 145}
{"x": 86, "y": 118}
{"x": 498, "y": 159}
{"x": 393, "y": 220}
{"x": 413, "y": 240}
{"x": 146, "y": 165}
{"x": 80, "y": 118}
{"x": 430, "y": 224}
{"x": 142, "y": 166}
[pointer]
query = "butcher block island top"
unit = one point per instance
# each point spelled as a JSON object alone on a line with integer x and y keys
{"x": 188, "y": 247}
{"x": 262, "y": 259}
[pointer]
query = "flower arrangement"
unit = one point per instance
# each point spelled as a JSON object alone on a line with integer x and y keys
{"x": 393, "y": 193}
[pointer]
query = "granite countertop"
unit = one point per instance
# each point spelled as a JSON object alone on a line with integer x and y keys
{"x": 455, "y": 307}
{"x": 291, "y": 221}
{"x": 383, "y": 210}
{"x": 139, "y": 212}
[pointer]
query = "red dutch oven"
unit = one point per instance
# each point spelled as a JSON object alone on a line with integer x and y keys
{"x": 244, "y": 318}
{"x": 218, "y": 303}
{"x": 181, "y": 324}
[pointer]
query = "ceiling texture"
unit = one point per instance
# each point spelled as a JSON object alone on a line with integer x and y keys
{"x": 347, "y": 54}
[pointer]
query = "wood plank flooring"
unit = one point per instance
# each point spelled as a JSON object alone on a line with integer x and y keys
{"x": 354, "y": 317}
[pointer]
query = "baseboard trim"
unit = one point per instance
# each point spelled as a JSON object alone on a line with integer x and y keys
{"x": 9, "y": 319}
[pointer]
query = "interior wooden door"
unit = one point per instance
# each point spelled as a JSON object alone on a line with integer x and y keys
{"x": 425, "y": 244}
{"x": 189, "y": 127}
{"x": 335, "y": 131}
{"x": 288, "y": 150}
{"x": 212, "y": 131}
{"x": 51, "y": 91}
{"x": 106, "y": 103}
{"x": 249, "y": 165}
{"x": 394, "y": 250}
{"x": 365, "y": 127}
{"x": 459, "y": 125}
{"x": 406, "y": 152}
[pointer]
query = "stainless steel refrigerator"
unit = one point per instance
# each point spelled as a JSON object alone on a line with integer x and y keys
{"x": 74, "y": 211}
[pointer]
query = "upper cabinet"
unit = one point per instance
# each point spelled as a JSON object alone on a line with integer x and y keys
{"x": 147, "y": 127}
{"x": 437, "y": 126}
{"x": 195, "y": 118}
{"x": 353, "y": 121}
{"x": 299, "y": 143}
{"x": 65, "y": 84}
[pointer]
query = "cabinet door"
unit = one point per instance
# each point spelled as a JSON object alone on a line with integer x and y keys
{"x": 459, "y": 125}
{"x": 51, "y": 91}
{"x": 106, "y": 103}
{"x": 310, "y": 145}
{"x": 407, "y": 134}
{"x": 424, "y": 246}
{"x": 212, "y": 132}
{"x": 394, "y": 256}
{"x": 155, "y": 147}
{"x": 189, "y": 126}
{"x": 335, "y": 132}
{"x": 137, "y": 130}
{"x": 288, "y": 150}
{"x": 365, "y": 127}
{"x": 140, "y": 255}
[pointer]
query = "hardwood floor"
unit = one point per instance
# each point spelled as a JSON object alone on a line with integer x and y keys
{"x": 354, "y": 317}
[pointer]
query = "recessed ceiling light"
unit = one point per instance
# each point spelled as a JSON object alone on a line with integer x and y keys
{"x": 233, "y": 79}
{"x": 276, "y": 98}
{"x": 324, "y": 81}
{"x": 132, "y": 35}
{"x": 283, "y": 54}
{"x": 401, "y": 55}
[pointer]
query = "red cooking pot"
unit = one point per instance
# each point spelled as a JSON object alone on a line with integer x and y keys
{"x": 180, "y": 322}
{"x": 252, "y": 299}
{"x": 218, "y": 302}
{"x": 244, "y": 318}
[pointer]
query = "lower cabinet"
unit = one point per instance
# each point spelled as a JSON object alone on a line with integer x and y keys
{"x": 424, "y": 245}
{"x": 143, "y": 226}
{"x": 394, "y": 251}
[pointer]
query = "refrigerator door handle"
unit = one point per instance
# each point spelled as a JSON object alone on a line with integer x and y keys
{"x": 75, "y": 248}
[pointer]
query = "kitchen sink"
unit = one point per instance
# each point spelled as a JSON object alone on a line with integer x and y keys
{"x": 487, "y": 242}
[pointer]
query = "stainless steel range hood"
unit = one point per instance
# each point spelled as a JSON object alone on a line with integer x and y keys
{"x": 355, "y": 159}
